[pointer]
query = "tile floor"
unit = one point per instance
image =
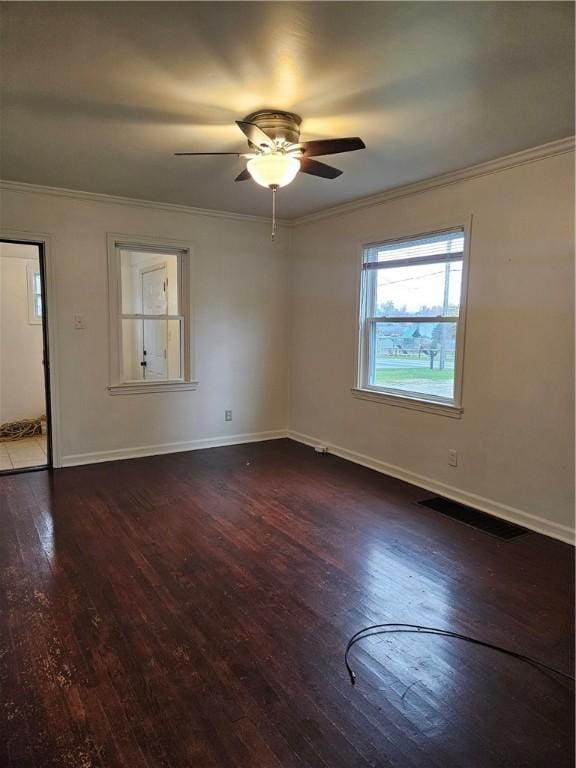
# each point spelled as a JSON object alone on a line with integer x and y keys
{"x": 28, "y": 452}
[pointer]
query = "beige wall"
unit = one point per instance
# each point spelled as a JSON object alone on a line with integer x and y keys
{"x": 21, "y": 347}
{"x": 515, "y": 438}
{"x": 240, "y": 325}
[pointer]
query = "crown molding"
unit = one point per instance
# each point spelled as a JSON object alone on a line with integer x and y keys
{"x": 541, "y": 152}
{"x": 98, "y": 197}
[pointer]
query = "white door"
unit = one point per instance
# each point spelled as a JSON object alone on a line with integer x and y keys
{"x": 155, "y": 336}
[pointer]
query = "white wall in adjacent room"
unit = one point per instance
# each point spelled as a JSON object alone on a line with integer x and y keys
{"x": 21, "y": 347}
{"x": 240, "y": 324}
{"x": 515, "y": 437}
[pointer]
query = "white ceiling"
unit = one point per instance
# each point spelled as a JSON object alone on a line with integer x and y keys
{"x": 97, "y": 96}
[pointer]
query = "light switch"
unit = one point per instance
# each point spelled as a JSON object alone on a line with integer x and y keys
{"x": 79, "y": 322}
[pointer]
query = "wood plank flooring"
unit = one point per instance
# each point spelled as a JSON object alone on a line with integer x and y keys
{"x": 191, "y": 611}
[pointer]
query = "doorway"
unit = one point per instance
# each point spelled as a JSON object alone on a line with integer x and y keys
{"x": 25, "y": 434}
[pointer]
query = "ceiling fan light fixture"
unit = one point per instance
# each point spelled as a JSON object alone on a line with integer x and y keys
{"x": 276, "y": 153}
{"x": 273, "y": 169}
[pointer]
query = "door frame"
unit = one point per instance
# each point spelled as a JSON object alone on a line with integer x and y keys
{"x": 44, "y": 242}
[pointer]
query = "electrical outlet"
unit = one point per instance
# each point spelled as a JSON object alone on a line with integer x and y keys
{"x": 79, "y": 322}
{"x": 227, "y": 415}
{"x": 452, "y": 457}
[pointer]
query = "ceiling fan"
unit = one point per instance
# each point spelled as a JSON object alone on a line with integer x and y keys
{"x": 276, "y": 153}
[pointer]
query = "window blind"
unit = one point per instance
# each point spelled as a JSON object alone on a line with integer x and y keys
{"x": 443, "y": 246}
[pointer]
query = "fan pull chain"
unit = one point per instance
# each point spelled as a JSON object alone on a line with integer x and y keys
{"x": 274, "y": 188}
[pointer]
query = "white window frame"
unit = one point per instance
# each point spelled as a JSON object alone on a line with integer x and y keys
{"x": 32, "y": 270}
{"x": 387, "y": 395}
{"x": 184, "y": 251}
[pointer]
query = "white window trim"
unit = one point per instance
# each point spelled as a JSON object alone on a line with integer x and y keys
{"x": 401, "y": 398}
{"x": 31, "y": 270}
{"x": 116, "y": 242}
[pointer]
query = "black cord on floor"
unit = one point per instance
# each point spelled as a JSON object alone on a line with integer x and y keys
{"x": 382, "y": 629}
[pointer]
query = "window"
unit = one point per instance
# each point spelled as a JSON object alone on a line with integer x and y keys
{"x": 150, "y": 318}
{"x": 411, "y": 323}
{"x": 34, "y": 294}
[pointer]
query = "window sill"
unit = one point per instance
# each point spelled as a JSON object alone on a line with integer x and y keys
{"x": 416, "y": 404}
{"x": 141, "y": 388}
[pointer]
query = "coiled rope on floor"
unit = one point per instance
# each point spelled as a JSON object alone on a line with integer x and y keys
{"x": 16, "y": 430}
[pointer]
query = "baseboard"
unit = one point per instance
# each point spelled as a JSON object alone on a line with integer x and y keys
{"x": 491, "y": 507}
{"x": 118, "y": 454}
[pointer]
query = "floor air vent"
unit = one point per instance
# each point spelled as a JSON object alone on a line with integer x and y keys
{"x": 486, "y": 523}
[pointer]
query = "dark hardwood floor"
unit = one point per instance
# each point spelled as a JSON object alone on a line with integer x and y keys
{"x": 192, "y": 611}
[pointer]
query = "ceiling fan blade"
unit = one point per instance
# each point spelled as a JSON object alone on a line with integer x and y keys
{"x": 180, "y": 154}
{"x": 244, "y": 176}
{"x": 315, "y": 168}
{"x": 254, "y": 134}
{"x": 331, "y": 146}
